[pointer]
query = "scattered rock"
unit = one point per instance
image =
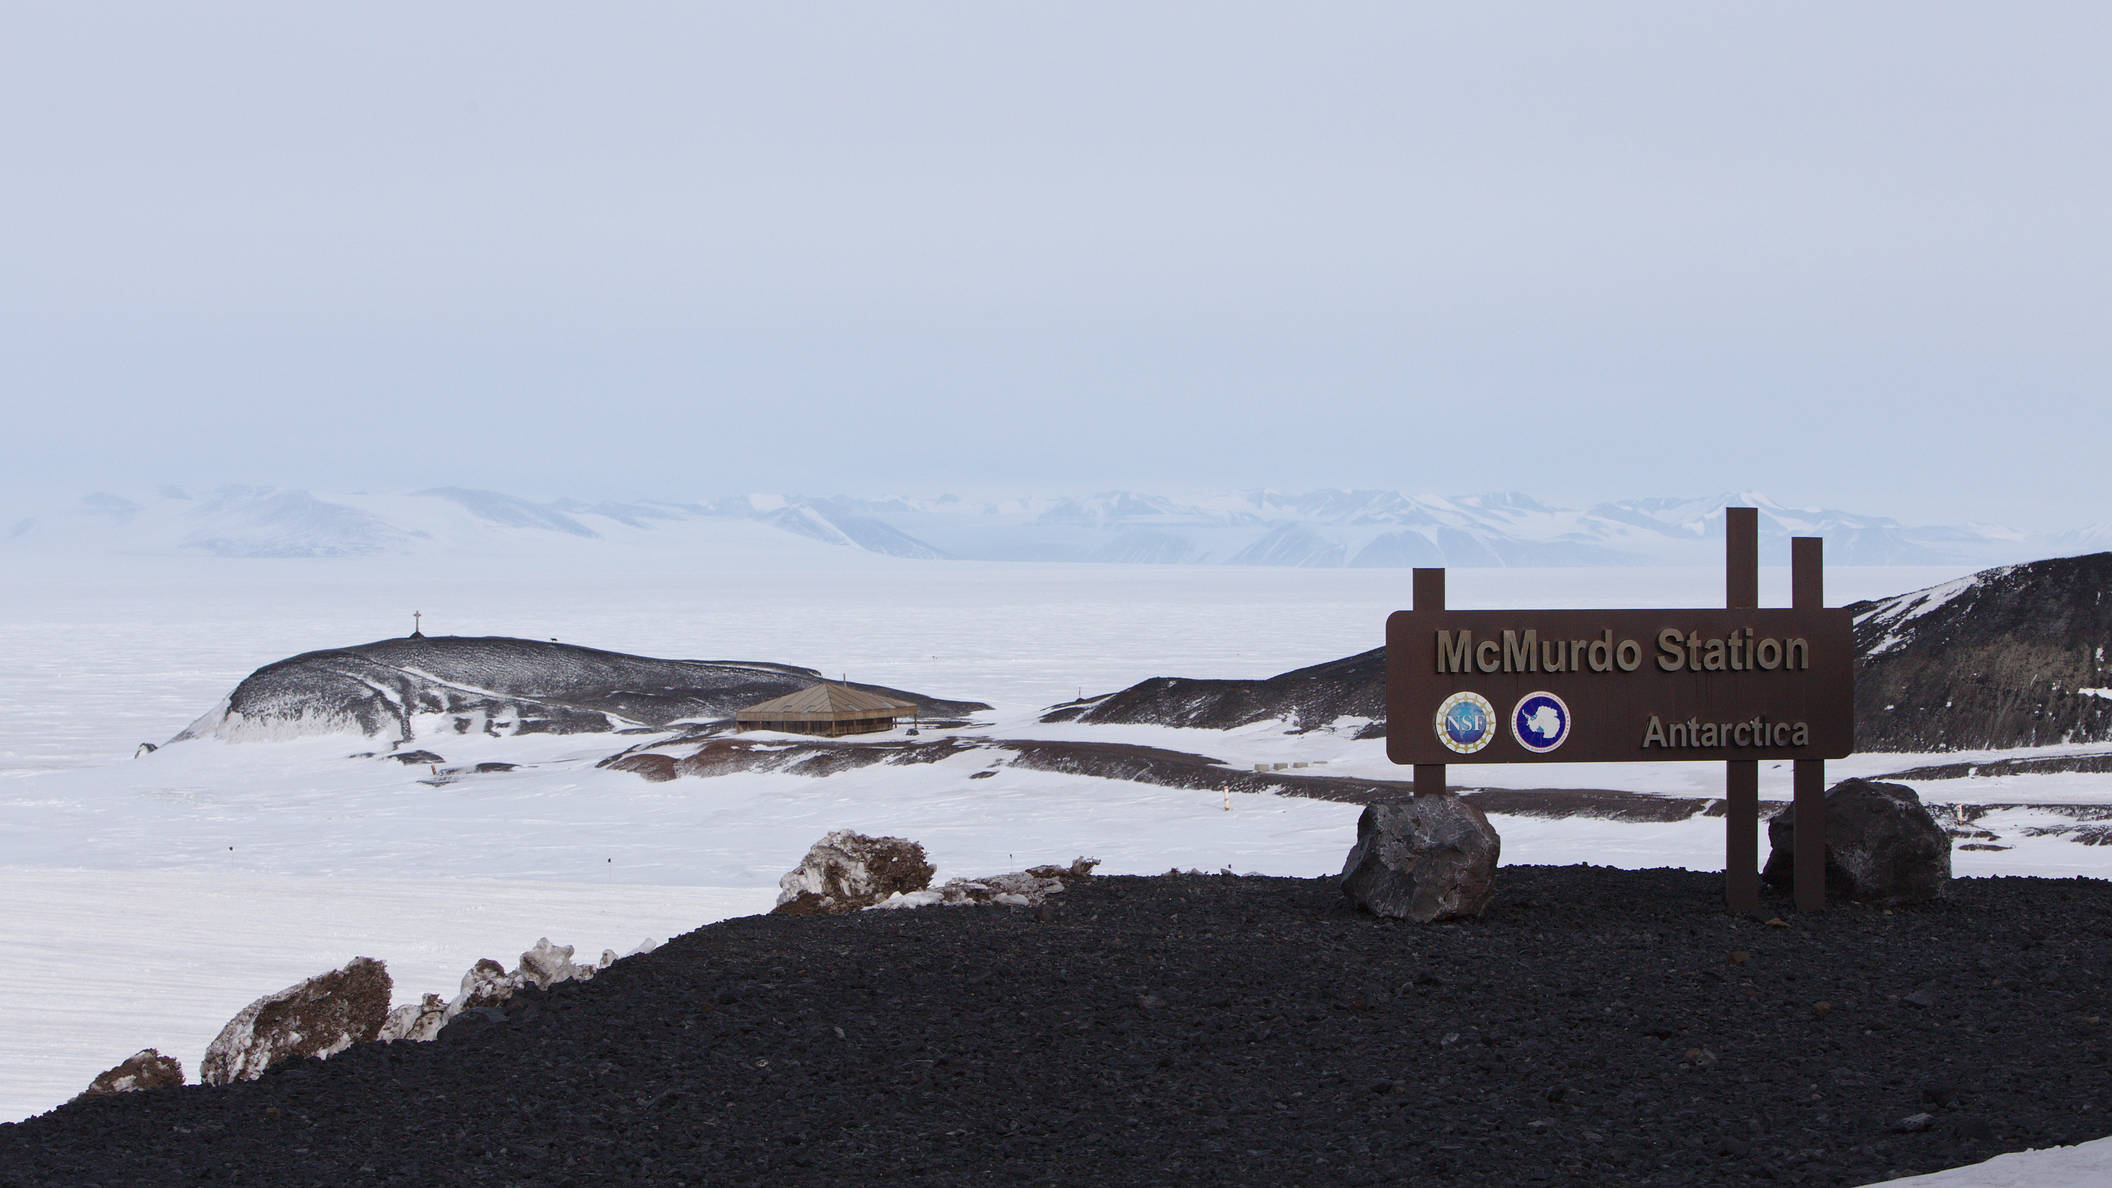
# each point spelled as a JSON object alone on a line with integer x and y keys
{"x": 1882, "y": 845}
{"x": 418, "y": 1021}
{"x": 1078, "y": 869}
{"x": 1427, "y": 858}
{"x": 416, "y": 758}
{"x": 1915, "y": 1123}
{"x": 846, "y": 871}
{"x": 146, "y": 1069}
{"x": 485, "y": 984}
{"x": 318, "y": 1017}
{"x": 546, "y": 965}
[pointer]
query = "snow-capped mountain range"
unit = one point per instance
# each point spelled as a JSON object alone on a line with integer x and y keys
{"x": 1310, "y": 528}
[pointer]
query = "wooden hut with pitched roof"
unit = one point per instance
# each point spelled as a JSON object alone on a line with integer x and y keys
{"x": 826, "y": 709}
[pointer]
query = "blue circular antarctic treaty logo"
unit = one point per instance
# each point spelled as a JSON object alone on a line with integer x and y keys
{"x": 1540, "y": 722}
{"x": 1466, "y": 722}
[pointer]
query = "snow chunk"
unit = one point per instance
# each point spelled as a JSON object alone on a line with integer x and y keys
{"x": 321, "y": 1016}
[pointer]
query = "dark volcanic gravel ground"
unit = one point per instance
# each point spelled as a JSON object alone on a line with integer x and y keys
{"x": 1598, "y": 1026}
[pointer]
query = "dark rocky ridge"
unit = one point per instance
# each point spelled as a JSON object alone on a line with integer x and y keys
{"x": 499, "y": 685}
{"x": 1309, "y": 698}
{"x": 1597, "y": 1026}
{"x": 1999, "y": 659}
{"x": 2013, "y": 765}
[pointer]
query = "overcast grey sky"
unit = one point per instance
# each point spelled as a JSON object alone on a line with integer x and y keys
{"x": 1844, "y": 253}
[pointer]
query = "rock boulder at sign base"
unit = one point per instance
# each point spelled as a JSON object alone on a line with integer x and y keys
{"x": 1425, "y": 858}
{"x": 1882, "y": 846}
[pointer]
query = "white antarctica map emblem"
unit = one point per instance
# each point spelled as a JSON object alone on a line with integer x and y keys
{"x": 1466, "y": 722}
{"x": 1540, "y": 722}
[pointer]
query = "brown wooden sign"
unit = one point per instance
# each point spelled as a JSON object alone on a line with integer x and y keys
{"x": 1596, "y": 686}
{"x": 1737, "y": 685}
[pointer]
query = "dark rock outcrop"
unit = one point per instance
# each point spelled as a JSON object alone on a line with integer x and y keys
{"x": 1882, "y": 846}
{"x": 1309, "y": 698}
{"x": 2010, "y": 765}
{"x": 145, "y": 1069}
{"x": 2009, "y": 657}
{"x": 1425, "y": 858}
{"x": 846, "y": 871}
{"x": 654, "y": 767}
{"x": 321, "y": 1016}
{"x": 407, "y": 688}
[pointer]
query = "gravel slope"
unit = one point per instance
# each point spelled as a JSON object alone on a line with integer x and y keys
{"x": 1599, "y": 1026}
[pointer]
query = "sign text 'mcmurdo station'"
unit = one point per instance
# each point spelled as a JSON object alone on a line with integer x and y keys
{"x": 1618, "y": 685}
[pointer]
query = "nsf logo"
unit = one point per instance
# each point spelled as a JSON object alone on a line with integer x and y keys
{"x": 1466, "y": 723}
{"x": 1540, "y": 722}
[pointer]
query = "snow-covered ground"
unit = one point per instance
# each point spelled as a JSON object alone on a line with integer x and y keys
{"x": 147, "y": 900}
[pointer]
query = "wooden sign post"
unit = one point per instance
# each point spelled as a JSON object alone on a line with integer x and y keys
{"x": 1736, "y": 685}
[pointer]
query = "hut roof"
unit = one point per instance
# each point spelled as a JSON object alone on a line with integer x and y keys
{"x": 827, "y": 702}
